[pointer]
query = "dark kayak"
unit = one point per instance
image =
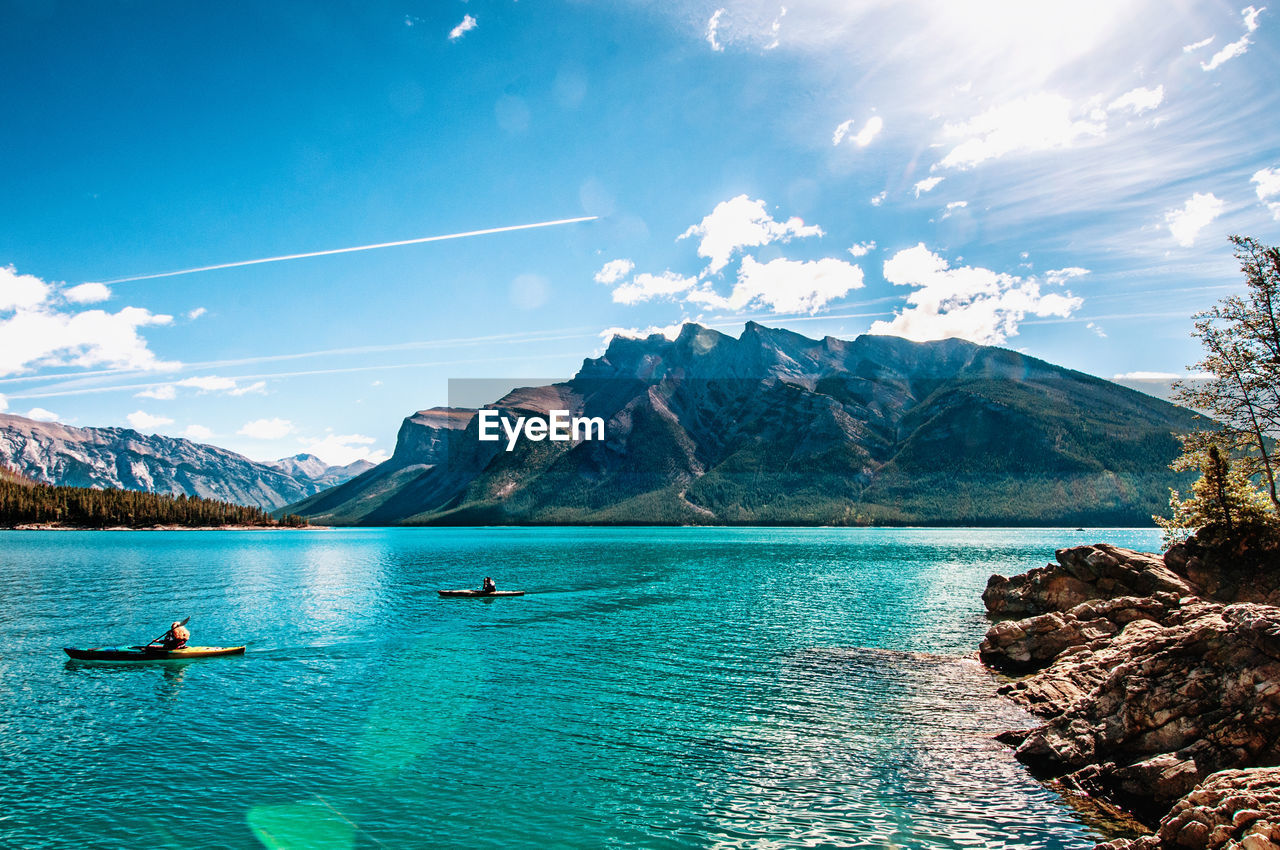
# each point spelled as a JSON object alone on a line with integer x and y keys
{"x": 478, "y": 594}
{"x": 150, "y": 653}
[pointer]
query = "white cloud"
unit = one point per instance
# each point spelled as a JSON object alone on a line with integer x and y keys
{"x": 669, "y": 331}
{"x": 1191, "y": 48}
{"x": 842, "y": 130}
{"x": 199, "y": 433}
{"x": 467, "y": 24}
{"x": 775, "y": 28}
{"x": 1057, "y": 277}
{"x": 1195, "y": 215}
{"x": 928, "y": 184}
{"x": 738, "y": 223}
{"x": 20, "y": 291}
{"x": 785, "y": 286}
{"x": 342, "y": 449}
{"x": 877, "y": 200}
{"x": 1146, "y": 376}
{"x": 713, "y": 27}
{"x": 142, "y": 421}
{"x": 160, "y": 392}
{"x": 4, "y": 403}
{"x": 1097, "y": 329}
{"x": 614, "y": 271}
{"x": 1267, "y": 184}
{"x": 1238, "y": 47}
{"x": 968, "y": 302}
{"x": 1037, "y": 122}
{"x": 40, "y": 333}
{"x": 42, "y": 415}
{"x": 196, "y": 313}
{"x": 861, "y": 249}
{"x": 1139, "y": 100}
{"x": 645, "y": 287}
{"x": 87, "y": 293}
{"x": 256, "y": 388}
{"x": 267, "y": 429}
{"x": 864, "y": 136}
{"x": 208, "y": 383}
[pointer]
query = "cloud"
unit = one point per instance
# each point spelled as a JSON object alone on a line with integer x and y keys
{"x": 42, "y": 415}
{"x": 1267, "y": 184}
{"x": 196, "y": 313}
{"x": 467, "y": 24}
{"x": 1238, "y": 47}
{"x": 208, "y": 383}
{"x": 713, "y": 28}
{"x": 645, "y": 287}
{"x": 785, "y": 286}
{"x": 199, "y": 433}
{"x": 1191, "y": 48}
{"x": 20, "y": 291}
{"x": 952, "y": 207}
{"x": 1146, "y": 376}
{"x": 87, "y": 293}
{"x": 1139, "y": 100}
{"x": 342, "y": 449}
{"x": 864, "y": 136}
{"x": 1037, "y": 122}
{"x": 140, "y": 420}
{"x": 267, "y": 429}
{"x": 1057, "y": 277}
{"x": 968, "y": 302}
{"x": 1096, "y": 329}
{"x": 161, "y": 392}
{"x": 256, "y": 388}
{"x": 928, "y": 184}
{"x": 4, "y": 403}
{"x": 614, "y": 271}
{"x": 669, "y": 331}
{"x": 776, "y": 28}
{"x": 861, "y": 249}
{"x": 1195, "y": 215}
{"x": 877, "y": 200}
{"x": 738, "y": 223}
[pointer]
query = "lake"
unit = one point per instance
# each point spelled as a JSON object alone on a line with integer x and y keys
{"x": 658, "y": 688}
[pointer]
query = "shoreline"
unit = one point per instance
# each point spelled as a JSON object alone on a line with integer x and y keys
{"x": 1156, "y": 681}
{"x": 62, "y": 527}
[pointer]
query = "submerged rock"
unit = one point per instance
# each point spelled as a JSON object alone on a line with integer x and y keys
{"x": 1154, "y": 689}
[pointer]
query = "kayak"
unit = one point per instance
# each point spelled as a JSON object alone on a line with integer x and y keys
{"x": 478, "y": 594}
{"x": 150, "y": 653}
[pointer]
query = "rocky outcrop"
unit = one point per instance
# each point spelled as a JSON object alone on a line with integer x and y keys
{"x": 1150, "y": 685}
{"x": 1230, "y": 809}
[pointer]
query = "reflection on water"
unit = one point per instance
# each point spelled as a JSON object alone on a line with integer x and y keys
{"x": 655, "y": 688}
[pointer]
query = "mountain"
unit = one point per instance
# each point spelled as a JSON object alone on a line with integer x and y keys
{"x": 777, "y": 428}
{"x": 308, "y": 467}
{"x": 52, "y": 453}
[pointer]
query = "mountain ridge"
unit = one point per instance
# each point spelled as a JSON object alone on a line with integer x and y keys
{"x": 112, "y": 457}
{"x": 773, "y": 427}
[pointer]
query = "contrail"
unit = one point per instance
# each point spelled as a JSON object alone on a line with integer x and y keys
{"x": 356, "y": 248}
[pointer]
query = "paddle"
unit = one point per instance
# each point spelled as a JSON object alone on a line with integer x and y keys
{"x": 166, "y": 631}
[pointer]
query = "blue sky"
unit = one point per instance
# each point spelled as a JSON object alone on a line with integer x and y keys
{"x": 1055, "y": 177}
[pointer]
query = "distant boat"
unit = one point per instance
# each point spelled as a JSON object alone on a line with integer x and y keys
{"x": 150, "y": 653}
{"x": 478, "y": 594}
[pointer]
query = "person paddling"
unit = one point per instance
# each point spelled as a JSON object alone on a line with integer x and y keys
{"x": 489, "y": 586}
{"x": 176, "y": 637}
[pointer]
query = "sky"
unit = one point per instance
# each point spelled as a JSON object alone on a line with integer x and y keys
{"x": 1059, "y": 178}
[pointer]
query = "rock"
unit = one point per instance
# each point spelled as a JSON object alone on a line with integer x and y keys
{"x": 1230, "y": 809}
{"x": 1160, "y": 691}
{"x": 1081, "y": 574}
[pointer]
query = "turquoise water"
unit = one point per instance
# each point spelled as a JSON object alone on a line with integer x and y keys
{"x": 655, "y": 688}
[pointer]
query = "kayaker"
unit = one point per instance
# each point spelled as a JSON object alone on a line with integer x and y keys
{"x": 176, "y": 637}
{"x": 489, "y": 586}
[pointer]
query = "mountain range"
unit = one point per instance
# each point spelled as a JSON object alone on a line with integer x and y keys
{"x": 53, "y": 453}
{"x": 777, "y": 428}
